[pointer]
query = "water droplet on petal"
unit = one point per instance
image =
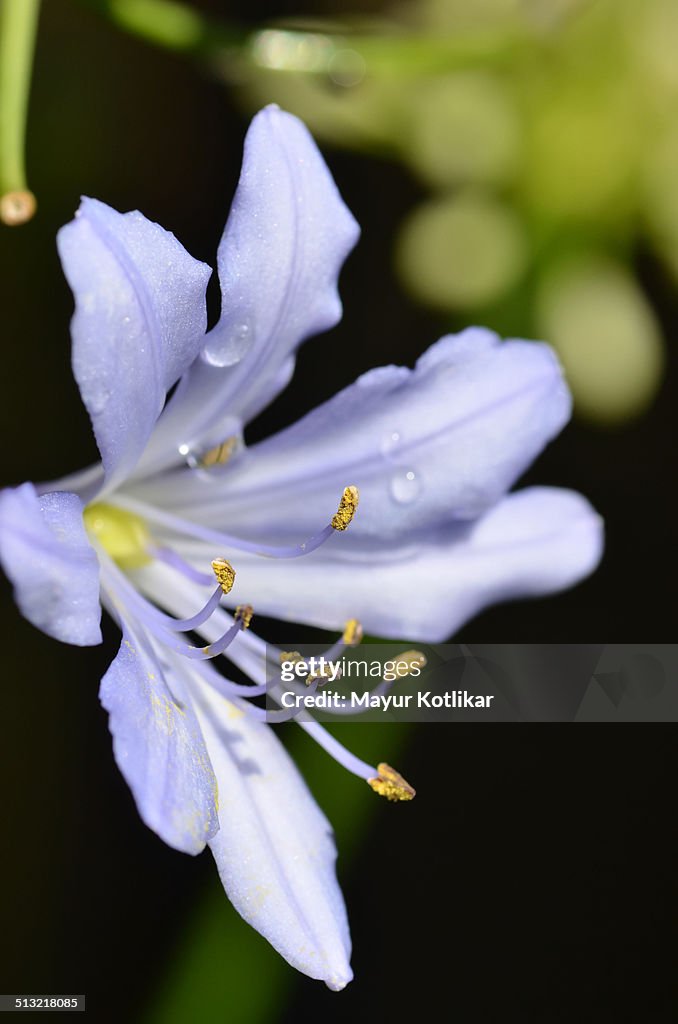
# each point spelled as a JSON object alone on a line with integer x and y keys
{"x": 189, "y": 454}
{"x": 207, "y": 458}
{"x": 227, "y": 345}
{"x": 391, "y": 443}
{"x": 97, "y": 396}
{"x": 405, "y": 487}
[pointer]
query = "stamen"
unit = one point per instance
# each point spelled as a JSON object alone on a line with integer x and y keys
{"x": 243, "y": 615}
{"x": 241, "y": 620}
{"x": 225, "y": 687}
{"x": 293, "y": 656}
{"x": 407, "y": 662}
{"x": 404, "y": 665}
{"x": 208, "y": 652}
{"x": 388, "y": 783}
{"x": 186, "y": 625}
{"x": 335, "y": 749}
{"x": 225, "y": 574}
{"x": 171, "y": 558}
{"x": 384, "y": 780}
{"x": 347, "y": 508}
{"x": 277, "y": 717}
{"x": 163, "y": 626}
{"x": 216, "y": 648}
{"x": 353, "y": 633}
{"x": 351, "y": 637}
{"x": 320, "y": 677}
{"x": 340, "y": 521}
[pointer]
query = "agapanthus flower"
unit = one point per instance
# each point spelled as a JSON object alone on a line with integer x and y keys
{"x": 181, "y": 521}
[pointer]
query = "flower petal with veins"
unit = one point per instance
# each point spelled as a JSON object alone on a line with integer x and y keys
{"x": 286, "y": 238}
{"x": 159, "y": 747}
{"x": 139, "y": 322}
{"x": 456, "y": 432}
{"x": 274, "y": 850}
{"x": 533, "y": 542}
{"x": 424, "y": 537}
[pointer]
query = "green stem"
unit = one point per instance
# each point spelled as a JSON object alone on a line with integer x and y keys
{"x": 18, "y": 23}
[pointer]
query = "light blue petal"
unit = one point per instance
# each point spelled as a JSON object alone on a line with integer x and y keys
{"x": 287, "y": 236}
{"x": 46, "y": 554}
{"x": 159, "y": 748}
{"x": 426, "y": 446}
{"x": 533, "y": 542}
{"x": 274, "y": 850}
{"x": 139, "y": 321}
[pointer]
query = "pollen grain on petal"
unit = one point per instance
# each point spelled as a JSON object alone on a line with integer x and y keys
{"x": 225, "y": 574}
{"x": 347, "y": 508}
{"x": 388, "y": 783}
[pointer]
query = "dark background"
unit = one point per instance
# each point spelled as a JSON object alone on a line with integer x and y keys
{"x": 533, "y": 877}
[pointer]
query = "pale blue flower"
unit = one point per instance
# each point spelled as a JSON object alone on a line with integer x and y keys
{"x": 433, "y": 451}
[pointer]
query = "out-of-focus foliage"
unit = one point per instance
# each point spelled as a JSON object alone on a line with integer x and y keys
{"x": 547, "y": 134}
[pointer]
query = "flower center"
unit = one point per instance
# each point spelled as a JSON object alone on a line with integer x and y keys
{"x": 127, "y": 540}
{"x": 123, "y": 535}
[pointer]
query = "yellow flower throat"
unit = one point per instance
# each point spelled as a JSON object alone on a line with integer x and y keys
{"x": 123, "y": 535}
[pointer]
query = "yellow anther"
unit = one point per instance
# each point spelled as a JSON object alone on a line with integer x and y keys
{"x": 225, "y": 574}
{"x": 407, "y": 661}
{"x": 220, "y": 454}
{"x": 390, "y": 784}
{"x": 353, "y": 633}
{"x": 122, "y": 534}
{"x": 347, "y": 508}
{"x": 293, "y": 656}
{"x": 322, "y": 675}
{"x": 244, "y": 613}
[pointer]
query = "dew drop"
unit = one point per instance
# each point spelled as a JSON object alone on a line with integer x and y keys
{"x": 405, "y": 487}
{"x": 228, "y": 344}
{"x": 97, "y": 397}
{"x": 207, "y": 459}
{"x": 190, "y": 456}
{"x": 390, "y": 444}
